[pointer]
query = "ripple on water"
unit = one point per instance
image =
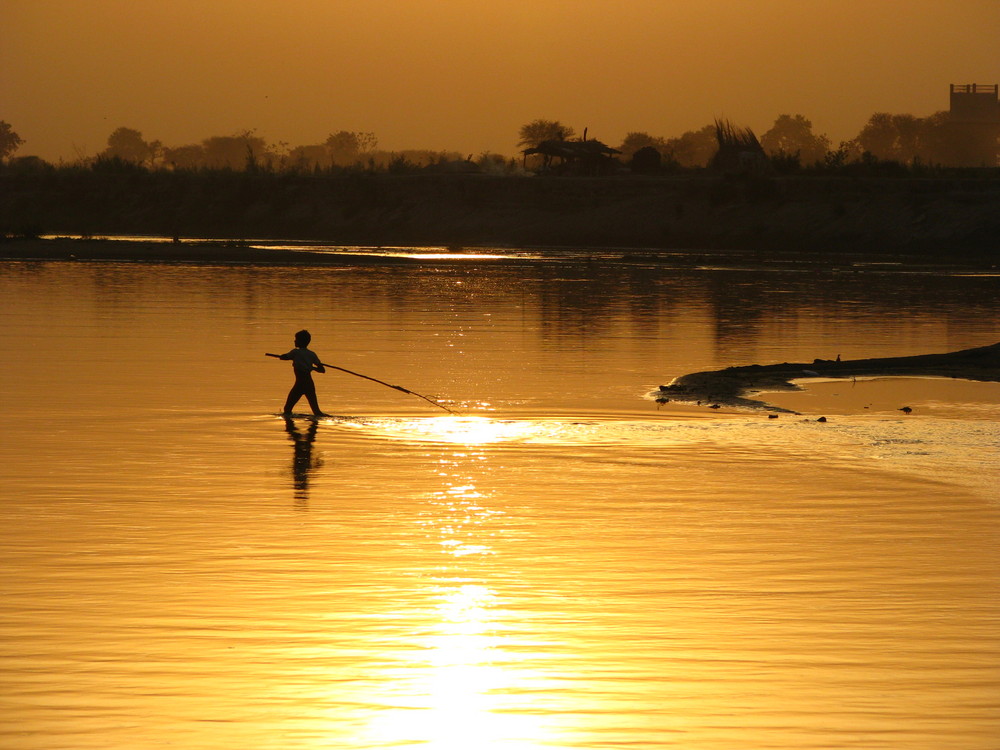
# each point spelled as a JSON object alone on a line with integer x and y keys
{"x": 966, "y": 453}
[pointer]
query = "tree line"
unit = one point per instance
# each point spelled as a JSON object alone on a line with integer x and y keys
{"x": 245, "y": 150}
{"x": 790, "y": 143}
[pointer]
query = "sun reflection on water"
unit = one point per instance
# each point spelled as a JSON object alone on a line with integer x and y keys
{"x": 463, "y": 680}
{"x": 466, "y": 674}
{"x": 460, "y": 686}
{"x": 467, "y": 430}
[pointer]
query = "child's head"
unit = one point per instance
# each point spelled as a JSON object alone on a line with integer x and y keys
{"x": 302, "y": 338}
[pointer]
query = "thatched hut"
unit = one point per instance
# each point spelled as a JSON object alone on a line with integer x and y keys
{"x": 739, "y": 151}
{"x": 576, "y": 155}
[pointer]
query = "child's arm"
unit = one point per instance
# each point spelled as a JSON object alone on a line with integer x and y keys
{"x": 279, "y": 356}
{"x": 317, "y": 365}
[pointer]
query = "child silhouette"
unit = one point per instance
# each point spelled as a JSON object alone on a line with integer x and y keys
{"x": 304, "y": 361}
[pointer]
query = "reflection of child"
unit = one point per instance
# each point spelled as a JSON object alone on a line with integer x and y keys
{"x": 304, "y": 361}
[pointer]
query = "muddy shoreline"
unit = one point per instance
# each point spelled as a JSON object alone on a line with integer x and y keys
{"x": 298, "y": 253}
{"x": 732, "y": 386}
{"x": 931, "y": 216}
{"x": 202, "y": 252}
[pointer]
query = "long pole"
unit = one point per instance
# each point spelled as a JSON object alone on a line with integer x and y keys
{"x": 380, "y": 382}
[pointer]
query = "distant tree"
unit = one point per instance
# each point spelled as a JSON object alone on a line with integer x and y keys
{"x": 367, "y": 141}
{"x": 185, "y": 157}
{"x": 348, "y": 147}
{"x": 792, "y": 136}
{"x": 635, "y": 141}
{"x": 343, "y": 147}
{"x": 234, "y": 151}
{"x": 309, "y": 157}
{"x": 30, "y": 164}
{"x": 695, "y": 148}
{"x": 936, "y": 139}
{"x": 647, "y": 160}
{"x": 910, "y": 131}
{"x": 419, "y": 157}
{"x": 127, "y": 144}
{"x": 946, "y": 141}
{"x": 892, "y": 137}
{"x": 491, "y": 163}
{"x": 156, "y": 151}
{"x": 878, "y": 136}
{"x": 9, "y": 140}
{"x": 846, "y": 153}
{"x": 537, "y": 131}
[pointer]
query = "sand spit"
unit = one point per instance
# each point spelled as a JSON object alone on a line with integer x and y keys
{"x": 731, "y": 386}
{"x": 208, "y": 251}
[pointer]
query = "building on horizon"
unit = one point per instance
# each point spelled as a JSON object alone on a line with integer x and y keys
{"x": 975, "y": 116}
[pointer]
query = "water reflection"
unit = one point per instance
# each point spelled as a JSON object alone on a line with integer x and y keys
{"x": 303, "y": 461}
{"x": 568, "y": 574}
{"x": 457, "y": 686}
{"x": 460, "y": 682}
{"x": 469, "y": 431}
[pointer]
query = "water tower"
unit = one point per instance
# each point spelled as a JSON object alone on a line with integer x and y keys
{"x": 975, "y": 115}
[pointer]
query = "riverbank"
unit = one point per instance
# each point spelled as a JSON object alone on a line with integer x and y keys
{"x": 201, "y": 251}
{"x": 927, "y": 216}
{"x": 732, "y": 386}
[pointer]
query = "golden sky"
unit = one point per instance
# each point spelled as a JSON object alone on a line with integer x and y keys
{"x": 464, "y": 75}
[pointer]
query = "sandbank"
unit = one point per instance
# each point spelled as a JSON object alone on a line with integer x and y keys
{"x": 736, "y": 386}
{"x": 201, "y": 251}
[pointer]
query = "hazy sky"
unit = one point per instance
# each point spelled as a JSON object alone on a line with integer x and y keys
{"x": 464, "y": 75}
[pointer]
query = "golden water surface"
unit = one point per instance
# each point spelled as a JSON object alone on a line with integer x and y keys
{"x": 562, "y": 564}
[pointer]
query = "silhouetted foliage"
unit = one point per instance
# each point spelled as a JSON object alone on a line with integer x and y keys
{"x": 29, "y": 165}
{"x": 647, "y": 160}
{"x": 127, "y": 144}
{"x": 783, "y": 162}
{"x": 498, "y": 164}
{"x": 895, "y": 137}
{"x": 936, "y": 139}
{"x": 792, "y": 136}
{"x": 235, "y": 151}
{"x": 695, "y": 148}
{"x": 9, "y": 140}
{"x": 414, "y": 205}
{"x": 116, "y": 164}
{"x": 917, "y": 144}
{"x": 191, "y": 156}
{"x": 537, "y": 132}
{"x": 578, "y": 156}
{"x": 306, "y": 158}
{"x": 739, "y": 151}
{"x": 838, "y": 158}
{"x": 635, "y": 141}
{"x": 348, "y": 147}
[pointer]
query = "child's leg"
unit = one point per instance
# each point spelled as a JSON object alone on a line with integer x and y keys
{"x": 293, "y": 398}
{"x": 310, "y": 394}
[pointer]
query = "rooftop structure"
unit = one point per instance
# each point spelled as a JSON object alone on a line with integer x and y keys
{"x": 975, "y": 102}
{"x": 975, "y": 116}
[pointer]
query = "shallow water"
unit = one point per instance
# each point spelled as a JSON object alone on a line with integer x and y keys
{"x": 563, "y": 565}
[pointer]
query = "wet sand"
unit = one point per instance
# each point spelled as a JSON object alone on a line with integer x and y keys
{"x": 733, "y": 386}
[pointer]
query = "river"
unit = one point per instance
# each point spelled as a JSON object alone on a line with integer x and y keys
{"x": 564, "y": 563}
